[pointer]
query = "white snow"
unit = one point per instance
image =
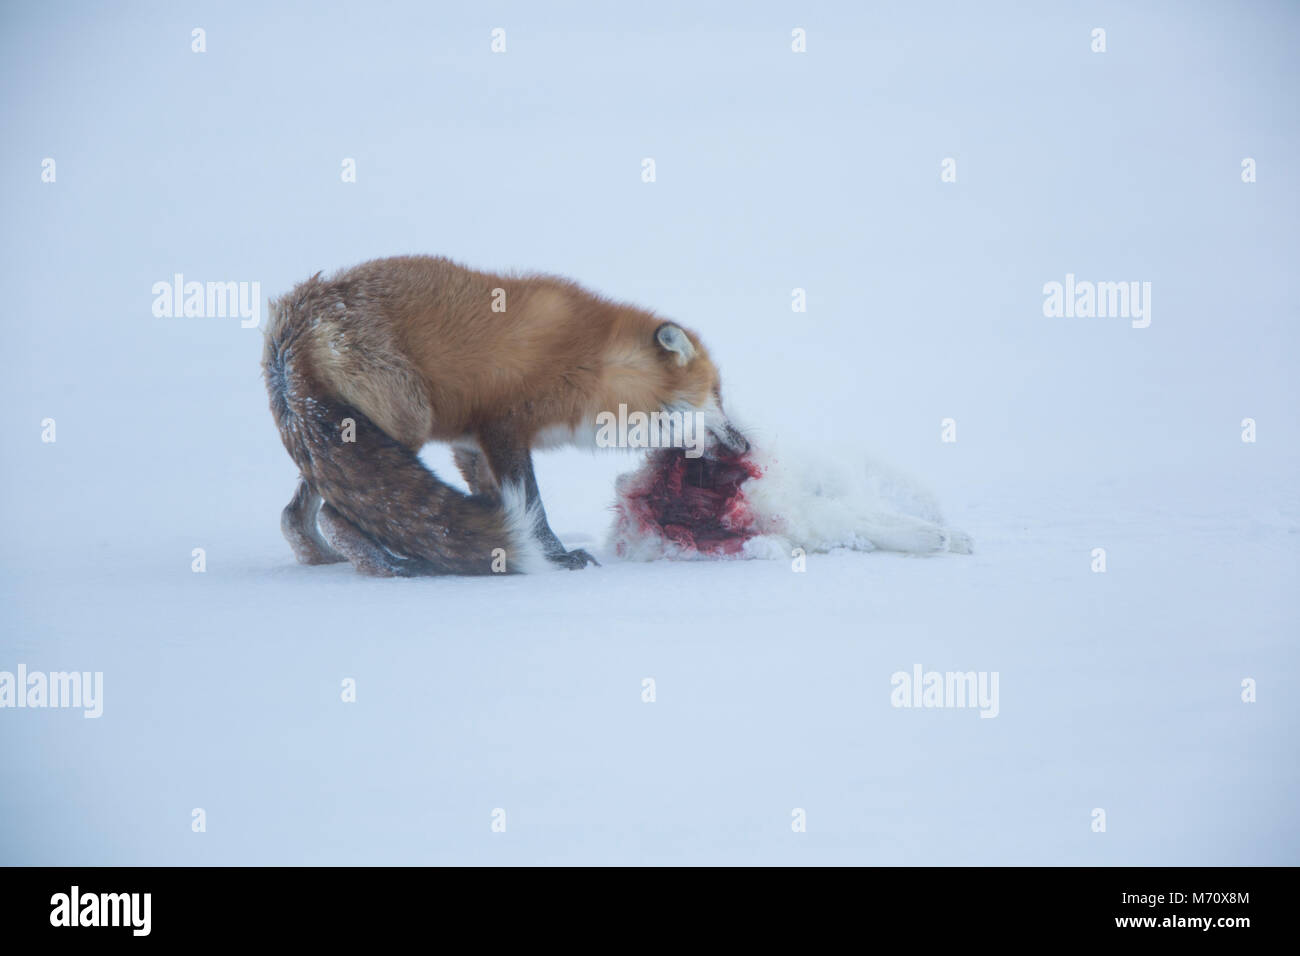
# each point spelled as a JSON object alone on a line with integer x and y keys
{"x": 222, "y": 690}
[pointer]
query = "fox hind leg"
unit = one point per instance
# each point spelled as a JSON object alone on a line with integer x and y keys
{"x": 298, "y": 524}
{"x": 366, "y": 555}
{"x": 474, "y": 469}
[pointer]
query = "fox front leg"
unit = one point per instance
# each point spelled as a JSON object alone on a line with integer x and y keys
{"x": 511, "y": 462}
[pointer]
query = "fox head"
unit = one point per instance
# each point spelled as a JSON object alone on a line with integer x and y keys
{"x": 692, "y": 385}
{"x": 664, "y": 370}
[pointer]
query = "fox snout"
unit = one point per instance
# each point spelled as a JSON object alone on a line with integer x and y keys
{"x": 729, "y": 437}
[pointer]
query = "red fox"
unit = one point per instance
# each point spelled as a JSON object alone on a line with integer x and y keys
{"x": 365, "y": 368}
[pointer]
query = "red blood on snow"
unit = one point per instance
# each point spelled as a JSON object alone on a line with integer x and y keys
{"x": 695, "y": 503}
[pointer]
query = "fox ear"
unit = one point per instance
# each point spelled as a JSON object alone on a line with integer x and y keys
{"x": 672, "y": 338}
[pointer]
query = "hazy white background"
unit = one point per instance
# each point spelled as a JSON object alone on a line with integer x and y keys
{"x": 775, "y": 171}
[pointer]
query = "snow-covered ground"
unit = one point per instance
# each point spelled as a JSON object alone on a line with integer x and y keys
{"x": 1119, "y": 691}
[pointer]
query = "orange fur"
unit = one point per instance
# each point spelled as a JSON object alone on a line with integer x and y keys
{"x": 556, "y": 356}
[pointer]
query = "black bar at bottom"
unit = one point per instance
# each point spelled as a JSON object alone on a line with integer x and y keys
{"x": 240, "y": 904}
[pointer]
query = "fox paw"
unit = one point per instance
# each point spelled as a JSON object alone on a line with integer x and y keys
{"x": 575, "y": 559}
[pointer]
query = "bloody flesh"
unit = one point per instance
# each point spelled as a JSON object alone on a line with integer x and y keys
{"x": 697, "y": 504}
